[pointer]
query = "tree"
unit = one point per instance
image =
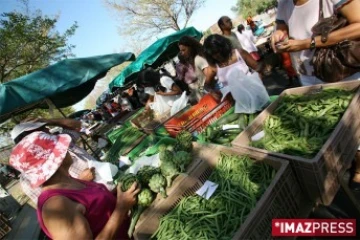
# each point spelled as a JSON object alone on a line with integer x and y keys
{"x": 153, "y": 16}
{"x": 253, "y": 7}
{"x": 29, "y": 43}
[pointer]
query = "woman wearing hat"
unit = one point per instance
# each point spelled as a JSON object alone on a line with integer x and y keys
{"x": 69, "y": 208}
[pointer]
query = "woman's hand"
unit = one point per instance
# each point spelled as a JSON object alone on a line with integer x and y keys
{"x": 88, "y": 174}
{"x": 126, "y": 200}
{"x": 277, "y": 37}
{"x": 293, "y": 45}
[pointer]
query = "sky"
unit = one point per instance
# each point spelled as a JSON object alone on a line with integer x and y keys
{"x": 97, "y": 33}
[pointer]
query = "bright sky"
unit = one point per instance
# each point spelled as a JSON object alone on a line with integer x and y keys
{"x": 97, "y": 33}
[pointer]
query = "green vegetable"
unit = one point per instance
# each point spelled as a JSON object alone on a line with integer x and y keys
{"x": 169, "y": 170}
{"x": 183, "y": 141}
{"x": 157, "y": 184}
{"x": 301, "y": 124}
{"x": 145, "y": 198}
{"x": 123, "y": 142}
{"x": 145, "y": 173}
{"x": 126, "y": 180}
{"x": 182, "y": 159}
{"x": 241, "y": 182}
{"x": 166, "y": 155}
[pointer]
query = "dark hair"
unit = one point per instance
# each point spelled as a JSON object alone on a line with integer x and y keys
{"x": 195, "y": 47}
{"x": 181, "y": 58}
{"x": 221, "y": 22}
{"x": 217, "y": 44}
{"x": 143, "y": 97}
{"x": 240, "y": 28}
{"x": 148, "y": 77}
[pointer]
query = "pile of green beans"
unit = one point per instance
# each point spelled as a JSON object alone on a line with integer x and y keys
{"x": 301, "y": 124}
{"x": 241, "y": 183}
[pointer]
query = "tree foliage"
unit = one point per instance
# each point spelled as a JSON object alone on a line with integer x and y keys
{"x": 29, "y": 43}
{"x": 153, "y": 16}
{"x": 253, "y": 7}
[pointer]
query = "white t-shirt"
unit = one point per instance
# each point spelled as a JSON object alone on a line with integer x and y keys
{"x": 166, "y": 82}
{"x": 300, "y": 20}
{"x": 200, "y": 64}
{"x": 246, "y": 42}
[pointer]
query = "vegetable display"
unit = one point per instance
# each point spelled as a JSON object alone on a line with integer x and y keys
{"x": 301, "y": 124}
{"x": 157, "y": 184}
{"x": 241, "y": 183}
{"x": 216, "y": 133}
{"x": 122, "y": 144}
{"x": 145, "y": 198}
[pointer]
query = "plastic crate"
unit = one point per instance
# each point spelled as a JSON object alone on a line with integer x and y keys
{"x": 212, "y": 116}
{"x": 141, "y": 149}
{"x": 282, "y": 199}
{"x": 318, "y": 176}
{"x": 193, "y": 115}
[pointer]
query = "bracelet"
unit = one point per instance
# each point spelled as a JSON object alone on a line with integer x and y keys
{"x": 312, "y": 43}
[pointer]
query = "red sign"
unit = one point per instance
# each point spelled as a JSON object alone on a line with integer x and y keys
{"x": 313, "y": 227}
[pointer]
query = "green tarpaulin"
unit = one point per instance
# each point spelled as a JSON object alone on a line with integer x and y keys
{"x": 64, "y": 83}
{"x": 159, "y": 52}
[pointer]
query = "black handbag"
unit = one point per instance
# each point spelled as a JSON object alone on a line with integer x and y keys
{"x": 336, "y": 62}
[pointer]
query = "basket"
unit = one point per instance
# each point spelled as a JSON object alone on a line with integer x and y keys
{"x": 282, "y": 199}
{"x": 319, "y": 175}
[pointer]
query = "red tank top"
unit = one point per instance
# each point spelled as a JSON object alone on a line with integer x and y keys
{"x": 99, "y": 203}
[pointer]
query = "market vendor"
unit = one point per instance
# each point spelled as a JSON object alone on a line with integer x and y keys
{"x": 193, "y": 67}
{"x": 69, "y": 208}
{"x": 159, "y": 87}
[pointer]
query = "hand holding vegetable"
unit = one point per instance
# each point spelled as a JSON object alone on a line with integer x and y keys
{"x": 126, "y": 200}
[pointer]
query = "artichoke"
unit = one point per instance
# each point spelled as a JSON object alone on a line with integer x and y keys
{"x": 127, "y": 180}
{"x": 183, "y": 142}
{"x": 145, "y": 173}
{"x": 182, "y": 159}
{"x": 145, "y": 198}
{"x": 169, "y": 170}
{"x": 157, "y": 184}
{"x": 166, "y": 156}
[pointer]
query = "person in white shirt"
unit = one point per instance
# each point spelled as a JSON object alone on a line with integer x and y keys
{"x": 160, "y": 85}
{"x": 294, "y": 22}
{"x": 247, "y": 41}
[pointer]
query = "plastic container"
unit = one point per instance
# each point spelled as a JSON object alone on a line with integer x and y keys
{"x": 282, "y": 199}
{"x": 192, "y": 116}
{"x": 319, "y": 175}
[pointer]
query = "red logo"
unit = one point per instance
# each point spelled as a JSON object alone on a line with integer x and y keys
{"x": 313, "y": 227}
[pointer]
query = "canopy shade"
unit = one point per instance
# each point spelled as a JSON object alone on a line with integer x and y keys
{"x": 154, "y": 56}
{"x": 64, "y": 83}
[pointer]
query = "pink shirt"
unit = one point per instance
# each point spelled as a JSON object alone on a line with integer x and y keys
{"x": 99, "y": 203}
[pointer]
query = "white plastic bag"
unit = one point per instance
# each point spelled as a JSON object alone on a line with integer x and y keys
{"x": 179, "y": 104}
{"x": 160, "y": 106}
{"x": 248, "y": 91}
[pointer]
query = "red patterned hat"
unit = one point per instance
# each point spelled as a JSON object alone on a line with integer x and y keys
{"x": 39, "y": 155}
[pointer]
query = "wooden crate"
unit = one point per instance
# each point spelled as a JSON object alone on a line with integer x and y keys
{"x": 318, "y": 176}
{"x": 282, "y": 199}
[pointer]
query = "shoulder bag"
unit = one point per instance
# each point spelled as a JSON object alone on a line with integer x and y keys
{"x": 336, "y": 62}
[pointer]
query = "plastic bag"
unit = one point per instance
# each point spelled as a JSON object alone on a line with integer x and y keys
{"x": 160, "y": 106}
{"x": 248, "y": 91}
{"x": 179, "y": 104}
